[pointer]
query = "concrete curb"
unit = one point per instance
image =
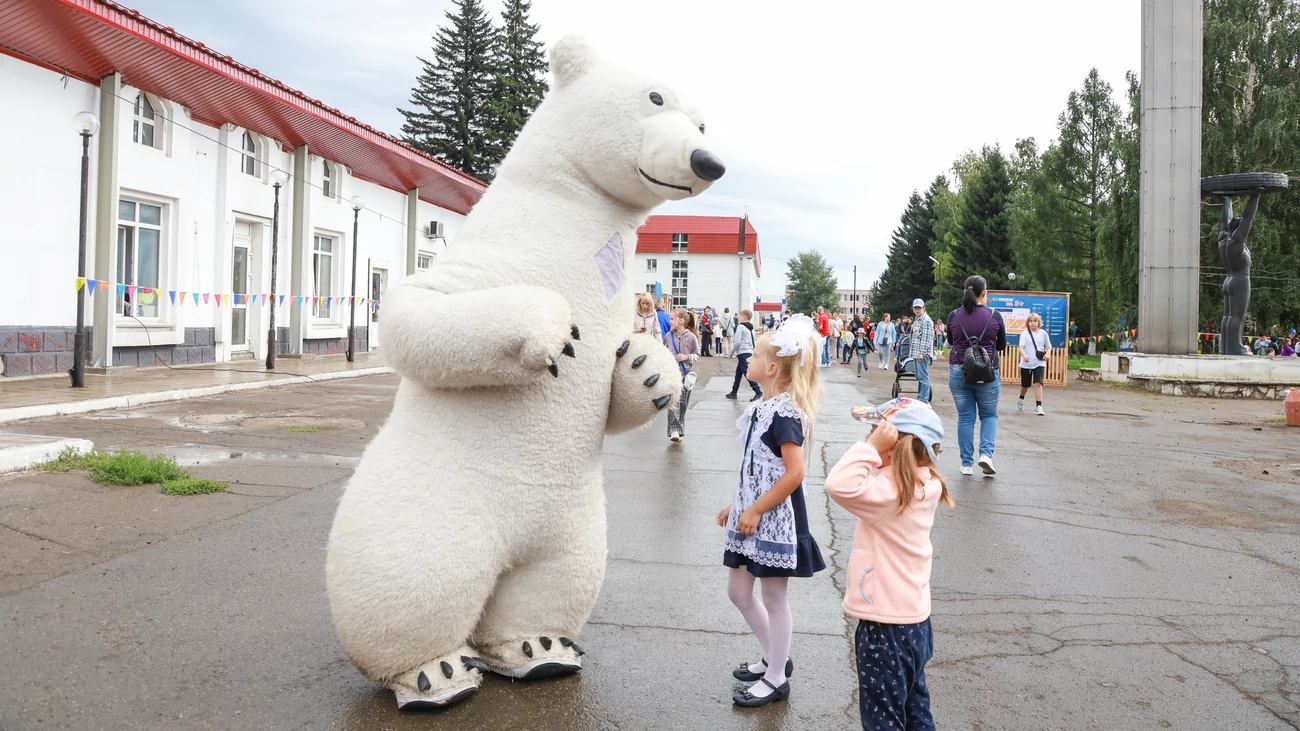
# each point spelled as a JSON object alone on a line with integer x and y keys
{"x": 140, "y": 399}
{"x": 21, "y": 457}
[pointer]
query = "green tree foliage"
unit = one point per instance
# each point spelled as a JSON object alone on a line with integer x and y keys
{"x": 519, "y": 64}
{"x": 981, "y": 243}
{"x": 812, "y": 283}
{"x": 450, "y": 115}
{"x": 1062, "y": 208}
{"x": 1251, "y": 123}
{"x": 909, "y": 273}
{"x": 1121, "y": 229}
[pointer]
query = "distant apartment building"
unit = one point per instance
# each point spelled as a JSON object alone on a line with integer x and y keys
{"x": 854, "y": 302}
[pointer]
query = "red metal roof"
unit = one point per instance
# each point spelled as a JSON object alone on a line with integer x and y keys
{"x": 705, "y": 235}
{"x": 90, "y": 39}
{"x": 767, "y": 306}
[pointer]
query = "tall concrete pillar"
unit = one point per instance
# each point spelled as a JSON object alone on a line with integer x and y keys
{"x": 412, "y": 229}
{"x": 105, "y": 224}
{"x": 1169, "y": 284}
{"x": 299, "y": 270}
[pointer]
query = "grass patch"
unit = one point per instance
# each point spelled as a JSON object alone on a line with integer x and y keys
{"x": 1084, "y": 361}
{"x": 302, "y": 429}
{"x": 133, "y": 467}
{"x": 1277, "y": 419}
{"x": 192, "y": 486}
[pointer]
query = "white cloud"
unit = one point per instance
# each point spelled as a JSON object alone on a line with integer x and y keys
{"x": 828, "y": 114}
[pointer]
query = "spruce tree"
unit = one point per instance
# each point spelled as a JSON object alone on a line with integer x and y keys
{"x": 981, "y": 244}
{"x": 909, "y": 272}
{"x": 450, "y": 117}
{"x": 519, "y": 83}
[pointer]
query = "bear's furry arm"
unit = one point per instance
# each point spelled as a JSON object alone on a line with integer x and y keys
{"x": 455, "y": 341}
{"x": 646, "y": 381}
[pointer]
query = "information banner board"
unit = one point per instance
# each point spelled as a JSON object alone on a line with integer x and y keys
{"x": 1053, "y": 307}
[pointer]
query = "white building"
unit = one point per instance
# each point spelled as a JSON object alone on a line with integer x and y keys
{"x": 854, "y": 302}
{"x": 699, "y": 261}
{"x": 181, "y": 199}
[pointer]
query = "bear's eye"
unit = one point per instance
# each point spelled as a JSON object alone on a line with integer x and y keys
{"x": 655, "y": 99}
{"x": 701, "y": 129}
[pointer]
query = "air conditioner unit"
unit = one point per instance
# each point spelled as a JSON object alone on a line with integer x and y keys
{"x": 434, "y": 230}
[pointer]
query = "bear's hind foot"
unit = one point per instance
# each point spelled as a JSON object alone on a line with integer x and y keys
{"x": 534, "y": 658}
{"x": 439, "y": 683}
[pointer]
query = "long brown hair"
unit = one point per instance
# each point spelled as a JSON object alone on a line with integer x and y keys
{"x": 688, "y": 321}
{"x": 909, "y": 454}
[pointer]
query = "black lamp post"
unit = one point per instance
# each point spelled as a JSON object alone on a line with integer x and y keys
{"x": 357, "y": 205}
{"x": 87, "y": 125}
{"x": 277, "y": 179}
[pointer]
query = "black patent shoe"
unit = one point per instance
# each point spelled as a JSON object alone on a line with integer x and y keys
{"x": 742, "y": 672}
{"x": 746, "y": 699}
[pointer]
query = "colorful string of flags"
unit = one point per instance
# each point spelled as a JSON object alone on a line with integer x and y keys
{"x": 219, "y": 298}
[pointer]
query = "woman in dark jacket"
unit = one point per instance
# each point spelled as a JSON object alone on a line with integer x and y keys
{"x": 974, "y": 320}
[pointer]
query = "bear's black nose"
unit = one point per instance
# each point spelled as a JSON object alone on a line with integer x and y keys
{"x": 706, "y": 165}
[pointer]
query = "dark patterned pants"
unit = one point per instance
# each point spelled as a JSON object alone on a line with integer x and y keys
{"x": 677, "y": 413}
{"x": 892, "y": 694}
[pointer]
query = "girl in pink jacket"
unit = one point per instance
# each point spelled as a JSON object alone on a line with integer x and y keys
{"x": 891, "y": 484}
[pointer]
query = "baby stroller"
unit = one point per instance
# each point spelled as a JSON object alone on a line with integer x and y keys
{"x": 904, "y": 365}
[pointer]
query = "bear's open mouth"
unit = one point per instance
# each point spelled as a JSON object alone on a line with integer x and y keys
{"x": 666, "y": 185}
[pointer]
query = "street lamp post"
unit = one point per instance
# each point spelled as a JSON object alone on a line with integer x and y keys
{"x": 357, "y": 205}
{"x": 87, "y": 126}
{"x": 277, "y": 179}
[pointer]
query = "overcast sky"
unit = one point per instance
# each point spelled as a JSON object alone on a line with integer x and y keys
{"x": 828, "y": 113}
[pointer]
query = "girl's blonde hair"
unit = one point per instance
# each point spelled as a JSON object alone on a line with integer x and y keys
{"x": 645, "y": 299}
{"x": 800, "y": 376}
{"x": 909, "y": 454}
{"x": 1032, "y": 317}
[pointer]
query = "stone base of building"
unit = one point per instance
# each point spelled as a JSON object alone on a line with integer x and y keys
{"x": 1213, "y": 376}
{"x": 38, "y": 351}
{"x": 199, "y": 347}
{"x": 323, "y": 346}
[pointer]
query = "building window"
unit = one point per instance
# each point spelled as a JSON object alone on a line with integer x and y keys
{"x": 144, "y": 128}
{"x": 322, "y": 271}
{"x": 139, "y": 247}
{"x": 652, "y": 265}
{"x": 679, "y": 280}
{"x": 423, "y": 260}
{"x": 326, "y": 185}
{"x": 679, "y": 242}
{"x": 249, "y": 163}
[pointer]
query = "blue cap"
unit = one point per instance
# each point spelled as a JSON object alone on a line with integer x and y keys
{"x": 910, "y": 416}
{"x": 918, "y": 302}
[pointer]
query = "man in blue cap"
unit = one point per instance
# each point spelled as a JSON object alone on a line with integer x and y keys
{"x": 922, "y": 348}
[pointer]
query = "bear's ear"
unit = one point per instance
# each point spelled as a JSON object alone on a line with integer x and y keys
{"x": 571, "y": 57}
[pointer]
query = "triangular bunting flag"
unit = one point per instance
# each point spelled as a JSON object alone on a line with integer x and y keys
{"x": 195, "y": 296}
{"x": 90, "y": 290}
{"x": 205, "y": 298}
{"x": 91, "y": 284}
{"x": 130, "y": 289}
{"x": 103, "y": 285}
{"x": 81, "y": 282}
{"x": 263, "y": 300}
{"x": 172, "y": 293}
{"x": 183, "y": 297}
{"x": 121, "y": 290}
{"x": 282, "y": 300}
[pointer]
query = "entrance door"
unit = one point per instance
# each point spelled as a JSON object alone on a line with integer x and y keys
{"x": 240, "y": 277}
{"x": 378, "y": 284}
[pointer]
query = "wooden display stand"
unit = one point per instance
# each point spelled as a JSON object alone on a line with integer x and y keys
{"x": 1058, "y": 366}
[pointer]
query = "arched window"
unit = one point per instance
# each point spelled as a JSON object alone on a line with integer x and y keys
{"x": 327, "y": 186}
{"x": 249, "y": 165}
{"x": 145, "y": 125}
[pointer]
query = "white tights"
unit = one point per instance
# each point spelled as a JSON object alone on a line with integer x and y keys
{"x": 769, "y": 619}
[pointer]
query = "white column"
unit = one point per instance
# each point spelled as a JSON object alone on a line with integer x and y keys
{"x": 1168, "y": 288}
{"x": 299, "y": 268}
{"x": 105, "y": 221}
{"x": 412, "y": 230}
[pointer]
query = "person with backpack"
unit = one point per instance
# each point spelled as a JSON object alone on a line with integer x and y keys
{"x": 978, "y": 335}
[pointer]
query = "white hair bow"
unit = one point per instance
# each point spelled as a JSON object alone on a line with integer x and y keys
{"x": 795, "y": 335}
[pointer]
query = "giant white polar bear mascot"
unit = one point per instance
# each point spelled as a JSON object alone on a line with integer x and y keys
{"x": 472, "y": 536}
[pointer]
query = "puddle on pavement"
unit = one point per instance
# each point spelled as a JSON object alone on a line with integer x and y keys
{"x": 189, "y": 455}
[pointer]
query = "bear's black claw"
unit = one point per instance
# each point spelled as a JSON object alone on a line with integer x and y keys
{"x": 652, "y": 380}
{"x": 474, "y": 663}
{"x": 423, "y": 683}
{"x": 622, "y": 349}
{"x": 636, "y": 362}
{"x": 577, "y": 649}
{"x": 553, "y": 368}
{"x": 446, "y": 668}
{"x": 568, "y": 350}
{"x": 659, "y": 403}
{"x": 574, "y": 332}
{"x": 546, "y": 643}
{"x": 528, "y": 649}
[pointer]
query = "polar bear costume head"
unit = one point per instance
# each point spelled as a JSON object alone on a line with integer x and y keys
{"x": 632, "y": 138}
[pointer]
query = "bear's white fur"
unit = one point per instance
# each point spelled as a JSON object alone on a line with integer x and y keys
{"x": 475, "y": 522}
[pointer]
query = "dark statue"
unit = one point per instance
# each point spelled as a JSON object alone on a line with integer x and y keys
{"x": 1235, "y": 258}
{"x": 1233, "y": 254}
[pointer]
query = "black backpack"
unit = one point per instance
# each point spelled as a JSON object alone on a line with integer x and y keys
{"x": 977, "y": 366}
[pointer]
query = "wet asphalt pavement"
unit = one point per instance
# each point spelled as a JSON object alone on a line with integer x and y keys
{"x": 1131, "y": 567}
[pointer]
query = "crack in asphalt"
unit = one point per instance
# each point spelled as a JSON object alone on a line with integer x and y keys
{"x": 39, "y": 537}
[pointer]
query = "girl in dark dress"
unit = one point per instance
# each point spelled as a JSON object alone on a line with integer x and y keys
{"x": 766, "y": 524}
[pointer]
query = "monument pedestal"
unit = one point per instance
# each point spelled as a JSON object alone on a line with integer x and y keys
{"x": 1215, "y": 376}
